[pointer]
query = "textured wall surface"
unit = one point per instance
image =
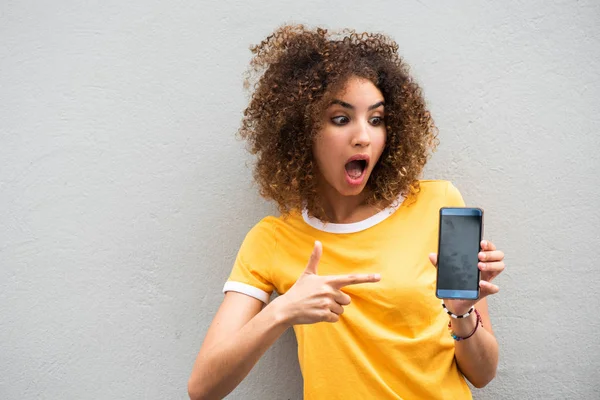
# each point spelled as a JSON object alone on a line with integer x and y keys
{"x": 124, "y": 194}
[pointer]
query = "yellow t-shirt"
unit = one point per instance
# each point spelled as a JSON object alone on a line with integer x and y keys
{"x": 392, "y": 342}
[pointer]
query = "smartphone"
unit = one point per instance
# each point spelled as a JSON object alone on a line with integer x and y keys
{"x": 459, "y": 238}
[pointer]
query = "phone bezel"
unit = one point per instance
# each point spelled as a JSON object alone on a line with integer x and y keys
{"x": 450, "y": 293}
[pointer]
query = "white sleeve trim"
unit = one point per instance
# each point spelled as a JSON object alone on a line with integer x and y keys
{"x": 248, "y": 290}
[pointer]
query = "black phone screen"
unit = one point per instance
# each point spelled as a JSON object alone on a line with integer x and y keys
{"x": 459, "y": 246}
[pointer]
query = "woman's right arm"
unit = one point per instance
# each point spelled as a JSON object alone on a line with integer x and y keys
{"x": 241, "y": 332}
{"x": 238, "y": 336}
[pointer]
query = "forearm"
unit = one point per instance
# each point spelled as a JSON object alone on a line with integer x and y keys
{"x": 219, "y": 369}
{"x": 477, "y": 356}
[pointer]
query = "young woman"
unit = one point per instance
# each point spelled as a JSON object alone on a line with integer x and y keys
{"x": 341, "y": 134}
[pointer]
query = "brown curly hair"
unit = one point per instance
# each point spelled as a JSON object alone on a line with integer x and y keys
{"x": 294, "y": 73}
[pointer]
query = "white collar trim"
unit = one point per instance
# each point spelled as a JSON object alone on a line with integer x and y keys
{"x": 354, "y": 226}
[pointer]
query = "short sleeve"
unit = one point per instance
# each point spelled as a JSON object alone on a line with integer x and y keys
{"x": 453, "y": 197}
{"x": 251, "y": 271}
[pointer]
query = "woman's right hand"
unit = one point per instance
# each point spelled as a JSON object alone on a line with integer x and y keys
{"x": 315, "y": 298}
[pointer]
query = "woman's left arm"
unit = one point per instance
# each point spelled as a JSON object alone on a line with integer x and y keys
{"x": 477, "y": 356}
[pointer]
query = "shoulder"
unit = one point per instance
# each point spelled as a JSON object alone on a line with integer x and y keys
{"x": 268, "y": 230}
{"x": 259, "y": 240}
{"x": 437, "y": 187}
{"x": 434, "y": 186}
{"x": 263, "y": 228}
{"x": 440, "y": 190}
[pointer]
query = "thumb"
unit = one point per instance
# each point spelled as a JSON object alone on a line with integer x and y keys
{"x": 315, "y": 257}
{"x": 433, "y": 259}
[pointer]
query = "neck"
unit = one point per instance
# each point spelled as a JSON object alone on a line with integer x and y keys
{"x": 341, "y": 209}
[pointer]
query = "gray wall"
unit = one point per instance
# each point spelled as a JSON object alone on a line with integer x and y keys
{"x": 124, "y": 194}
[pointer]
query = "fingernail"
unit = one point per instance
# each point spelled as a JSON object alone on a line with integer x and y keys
{"x": 482, "y": 255}
{"x": 482, "y": 265}
{"x": 377, "y": 276}
{"x": 484, "y": 243}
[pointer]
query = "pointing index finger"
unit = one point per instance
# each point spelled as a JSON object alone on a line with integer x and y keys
{"x": 339, "y": 281}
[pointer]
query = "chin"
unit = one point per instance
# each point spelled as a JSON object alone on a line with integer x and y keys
{"x": 351, "y": 191}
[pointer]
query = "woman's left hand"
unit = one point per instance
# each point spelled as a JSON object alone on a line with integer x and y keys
{"x": 491, "y": 264}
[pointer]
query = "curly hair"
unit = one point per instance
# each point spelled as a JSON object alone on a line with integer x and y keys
{"x": 294, "y": 73}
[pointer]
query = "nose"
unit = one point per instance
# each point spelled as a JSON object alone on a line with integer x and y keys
{"x": 361, "y": 136}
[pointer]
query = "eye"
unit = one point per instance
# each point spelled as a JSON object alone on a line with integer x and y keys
{"x": 376, "y": 121}
{"x": 340, "y": 120}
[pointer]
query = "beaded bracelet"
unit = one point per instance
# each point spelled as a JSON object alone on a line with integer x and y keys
{"x": 450, "y": 313}
{"x": 477, "y": 323}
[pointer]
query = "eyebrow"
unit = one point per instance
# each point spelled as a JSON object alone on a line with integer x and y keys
{"x": 351, "y": 107}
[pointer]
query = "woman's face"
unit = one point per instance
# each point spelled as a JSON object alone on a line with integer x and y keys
{"x": 352, "y": 137}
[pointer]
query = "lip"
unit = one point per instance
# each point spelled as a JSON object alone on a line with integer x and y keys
{"x": 360, "y": 157}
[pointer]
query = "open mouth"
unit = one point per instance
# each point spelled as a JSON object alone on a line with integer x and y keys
{"x": 356, "y": 168}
